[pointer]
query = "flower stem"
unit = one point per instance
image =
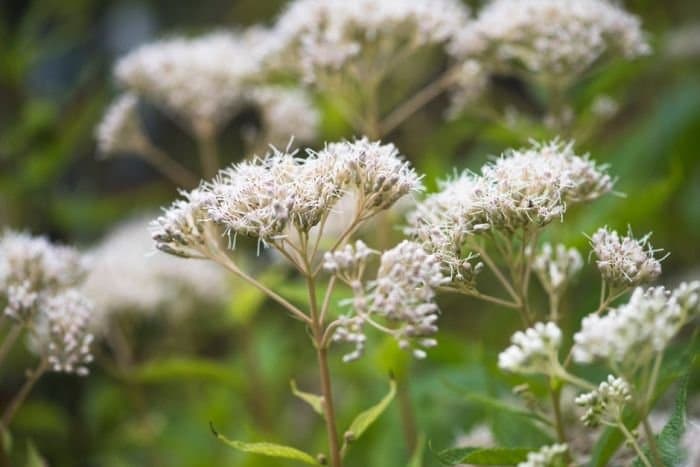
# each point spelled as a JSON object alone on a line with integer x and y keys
{"x": 555, "y": 395}
{"x": 9, "y": 341}
{"x": 208, "y": 152}
{"x": 19, "y": 398}
{"x": 634, "y": 443}
{"x": 169, "y": 167}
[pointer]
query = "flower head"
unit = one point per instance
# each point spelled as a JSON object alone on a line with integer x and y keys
{"x": 533, "y": 351}
{"x": 547, "y": 456}
{"x": 631, "y": 334}
{"x": 180, "y": 230}
{"x": 286, "y": 112}
{"x": 605, "y": 404}
{"x": 624, "y": 260}
{"x": 556, "y": 266}
{"x": 62, "y": 333}
{"x": 552, "y": 39}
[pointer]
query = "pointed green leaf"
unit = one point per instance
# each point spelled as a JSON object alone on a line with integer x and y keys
{"x": 365, "y": 419}
{"x": 176, "y": 369}
{"x": 267, "y": 449}
{"x": 315, "y": 401}
{"x": 669, "y": 440}
{"x": 34, "y": 459}
{"x": 483, "y": 456}
{"x": 417, "y": 457}
{"x": 495, "y": 404}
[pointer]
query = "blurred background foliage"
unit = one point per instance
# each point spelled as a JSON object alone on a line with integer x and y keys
{"x": 232, "y": 366}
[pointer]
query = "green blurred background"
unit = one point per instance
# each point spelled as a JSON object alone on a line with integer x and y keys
{"x": 233, "y": 369}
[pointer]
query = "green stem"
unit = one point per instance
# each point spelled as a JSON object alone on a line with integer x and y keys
{"x": 24, "y": 391}
{"x": 10, "y": 339}
{"x": 634, "y": 443}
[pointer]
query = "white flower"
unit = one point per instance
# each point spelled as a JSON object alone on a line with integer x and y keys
{"x": 200, "y": 80}
{"x": 120, "y": 129}
{"x": 629, "y": 335}
{"x": 533, "y": 351}
{"x": 402, "y": 296}
{"x": 62, "y": 333}
{"x": 605, "y": 404}
{"x": 180, "y": 230}
{"x": 128, "y": 276}
{"x": 349, "y": 262}
{"x": 328, "y": 35}
{"x": 554, "y": 39}
{"x": 547, "y": 456}
{"x": 286, "y": 112}
{"x": 624, "y": 260}
{"x": 32, "y": 268}
{"x": 471, "y": 79}
{"x": 555, "y": 267}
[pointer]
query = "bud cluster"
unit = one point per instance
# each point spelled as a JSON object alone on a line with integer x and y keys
{"x": 556, "y": 266}
{"x": 605, "y": 404}
{"x": 547, "y": 456}
{"x": 533, "y": 351}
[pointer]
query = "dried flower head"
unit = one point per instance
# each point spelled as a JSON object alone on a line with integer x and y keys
{"x": 631, "y": 334}
{"x": 62, "y": 333}
{"x": 605, "y": 404}
{"x": 32, "y": 268}
{"x": 533, "y": 351}
{"x": 200, "y": 80}
{"x": 120, "y": 129}
{"x": 547, "y": 456}
{"x": 556, "y": 266}
{"x": 553, "y": 39}
{"x": 128, "y": 276}
{"x": 328, "y": 35}
{"x": 624, "y": 261}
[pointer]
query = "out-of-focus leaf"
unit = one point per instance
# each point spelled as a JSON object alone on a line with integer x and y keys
{"x": 34, "y": 459}
{"x": 178, "y": 369}
{"x": 483, "y": 456}
{"x": 416, "y": 459}
{"x": 315, "y": 401}
{"x": 5, "y": 439}
{"x": 668, "y": 441}
{"x": 501, "y": 406}
{"x": 267, "y": 449}
{"x": 249, "y": 299}
{"x": 365, "y": 419}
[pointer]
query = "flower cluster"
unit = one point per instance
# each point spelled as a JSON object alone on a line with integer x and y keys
{"x": 631, "y": 334}
{"x": 554, "y": 39}
{"x": 327, "y": 35}
{"x": 285, "y": 111}
{"x": 523, "y": 189}
{"x": 62, "y": 333}
{"x": 126, "y": 277}
{"x": 402, "y": 295}
{"x": 38, "y": 281}
{"x": 533, "y": 351}
{"x": 349, "y": 262}
{"x": 264, "y": 197}
{"x": 200, "y": 80}
{"x": 547, "y": 456}
{"x": 605, "y": 404}
{"x": 32, "y": 269}
{"x": 623, "y": 260}
{"x": 556, "y": 266}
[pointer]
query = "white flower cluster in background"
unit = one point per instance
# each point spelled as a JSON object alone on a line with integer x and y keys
{"x": 534, "y": 350}
{"x": 628, "y": 336}
{"x": 330, "y": 35}
{"x": 605, "y": 404}
{"x": 38, "y": 285}
{"x": 556, "y": 266}
{"x": 624, "y": 260}
{"x": 547, "y": 456}
{"x": 128, "y": 276}
{"x": 200, "y": 80}
{"x": 120, "y": 129}
{"x": 402, "y": 296}
{"x": 523, "y": 189}
{"x": 554, "y": 39}
{"x": 284, "y": 112}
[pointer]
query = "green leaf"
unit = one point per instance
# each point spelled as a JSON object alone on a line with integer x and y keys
{"x": 178, "y": 369}
{"x": 315, "y": 401}
{"x": 485, "y": 401}
{"x": 483, "y": 456}
{"x": 267, "y": 449}
{"x": 668, "y": 441}
{"x": 34, "y": 459}
{"x": 5, "y": 439}
{"x": 365, "y": 419}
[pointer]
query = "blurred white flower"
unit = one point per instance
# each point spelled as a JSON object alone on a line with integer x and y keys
{"x": 127, "y": 275}
{"x": 547, "y": 456}
{"x": 624, "y": 261}
{"x": 286, "y": 112}
{"x": 534, "y": 350}
{"x": 556, "y": 266}
{"x": 629, "y": 335}
{"x": 120, "y": 129}
{"x": 553, "y": 39}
